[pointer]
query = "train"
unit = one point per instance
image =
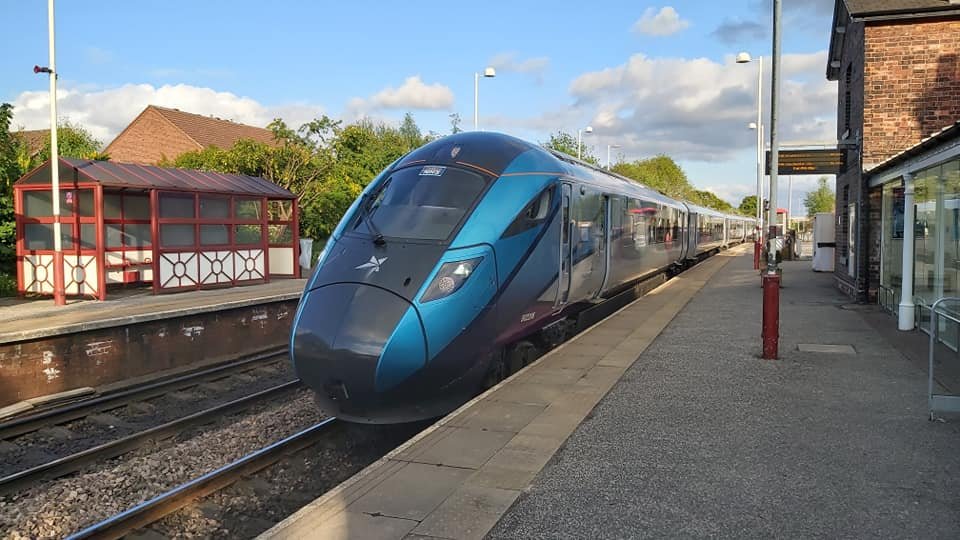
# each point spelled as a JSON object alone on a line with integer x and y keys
{"x": 465, "y": 258}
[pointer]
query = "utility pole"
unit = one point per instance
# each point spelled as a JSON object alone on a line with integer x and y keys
{"x": 771, "y": 278}
{"x": 59, "y": 294}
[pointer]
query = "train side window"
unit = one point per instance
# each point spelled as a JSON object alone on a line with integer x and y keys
{"x": 532, "y": 215}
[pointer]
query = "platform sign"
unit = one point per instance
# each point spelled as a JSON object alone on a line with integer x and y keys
{"x": 825, "y": 161}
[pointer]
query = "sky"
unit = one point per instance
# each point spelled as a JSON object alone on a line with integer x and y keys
{"x": 650, "y": 77}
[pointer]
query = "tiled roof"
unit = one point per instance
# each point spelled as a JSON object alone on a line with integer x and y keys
{"x": 211, "y": 131}
{"x": 128, "y": 175}
{"x": 876, "y": 7}
{"x": 36, "y": 139}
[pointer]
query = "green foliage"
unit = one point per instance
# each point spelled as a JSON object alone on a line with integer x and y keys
{"x": 748, "y": 206}
{"x": 710, "y": 200}
{"x": 74, "y": 141}
{"x": 562, "y": 141}
{"x": 11, "y": 152}
{"x": 664, "y": 175}
{"x": 8, "y": 284}
{"x": 821, "y": 199}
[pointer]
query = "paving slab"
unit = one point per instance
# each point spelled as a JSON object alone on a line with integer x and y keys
{"x": 702, "y": 438}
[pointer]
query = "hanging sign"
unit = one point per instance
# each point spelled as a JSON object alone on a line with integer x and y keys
{"x": 825, "y": 161}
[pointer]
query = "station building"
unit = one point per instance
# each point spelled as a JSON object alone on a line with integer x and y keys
{"x": 898, "y": 104}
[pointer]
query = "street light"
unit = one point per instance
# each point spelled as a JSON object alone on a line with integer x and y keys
{"x": 588, "y": 130}
{"x": 609, "y": 146}
{"x": 489, "y": 73}
{"x": 744, "y": 58}
{"x": 59, "y": 294}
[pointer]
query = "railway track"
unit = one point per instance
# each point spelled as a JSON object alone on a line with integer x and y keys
{"x": 77, "y": 461}
{"x": 169, "y": 502}
{"x": 73, "y": 411}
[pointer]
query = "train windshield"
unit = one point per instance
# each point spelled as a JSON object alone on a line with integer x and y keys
{"x": 423, "y": 203}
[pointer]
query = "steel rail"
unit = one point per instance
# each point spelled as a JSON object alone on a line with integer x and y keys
{"x": 75, "y": 462}
{"x": 26, "y": 424}
{"x": 165, "y": 504}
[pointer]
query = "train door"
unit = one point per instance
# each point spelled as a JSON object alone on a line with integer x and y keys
{"x": 612, "y": 211}
{"x": 566, "y": 235}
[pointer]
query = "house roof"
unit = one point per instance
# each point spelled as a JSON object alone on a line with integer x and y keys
{"x": 879, "y": 10}
{"x": 35, "y": 139}
{"x": 212, "y": 131}
{"x": 130, "y": 176}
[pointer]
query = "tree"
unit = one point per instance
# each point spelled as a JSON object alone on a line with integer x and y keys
{"x": 710, "y": 200}
{"x": 11, "y": 147}
{"x": 455, "y": 123}
{"x": 562, "y": 141}
{"x": 660, "y": 173}
{"x": 74, "y": 141}
{"x": 748, "y": 206}
{"x": 821, "y": 199}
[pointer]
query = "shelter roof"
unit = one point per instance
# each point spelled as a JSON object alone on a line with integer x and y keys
{"x": 130, "y": 176}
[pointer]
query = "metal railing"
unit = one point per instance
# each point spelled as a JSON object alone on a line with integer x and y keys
{"x": 887, "y": 298}
{"x": 939, "y": 402}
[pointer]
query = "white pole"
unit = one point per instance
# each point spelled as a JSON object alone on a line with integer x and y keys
{"x": 760, "y": 149}
{"x": 789, "y": 199}
{"x": 476, "y": 100}
{"x": 58, "y": 288}
{"x": 579, "y": 136}
{"x": 774, "y": 143}
{"x": 906, "y": 312}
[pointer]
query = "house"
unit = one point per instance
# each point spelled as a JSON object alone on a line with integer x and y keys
{"x": 160, "y": 133}
{"x": 896, "y": 62}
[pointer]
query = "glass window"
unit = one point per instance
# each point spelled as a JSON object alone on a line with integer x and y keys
{"x": 248, "y": 209}
{"x": 136, "y": 207}
{"x": 37, "y": 204}
{"x": 112, "y": 206}
{"x": 137, "y": 235}
{"x": 280, "y": 210}
{"x": 280, "y": 234}
{"x": 423, "y": 202}
{"x": 176, "y": 235}
{"x": 84, "y": 203}
{"x": 88, "y": 236}
{"x": 114, "y": 235}
{"x": 176, "y": 206}
{"x": 213, "y": 235}
{"x": 38, "y": 235}
{"x": 214, "y": 208}
{"x": 247, "y": 234}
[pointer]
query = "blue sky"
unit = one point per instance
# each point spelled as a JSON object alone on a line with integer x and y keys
{"x": 651, "y": 77}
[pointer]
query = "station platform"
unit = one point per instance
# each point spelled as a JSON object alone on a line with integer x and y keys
{"x": 46, "y": 349}
{"x": 661, "y": 421}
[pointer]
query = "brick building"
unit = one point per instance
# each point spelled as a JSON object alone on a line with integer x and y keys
{"x": 159, "y": 133}
{"x": 897, "y": 68}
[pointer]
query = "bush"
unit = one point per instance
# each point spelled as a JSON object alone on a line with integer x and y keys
{"x": 8, "y": 285}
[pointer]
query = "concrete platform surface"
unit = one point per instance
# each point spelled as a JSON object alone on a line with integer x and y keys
{"x": 458, "y": 477}
{"x": 700, "y": 438}
{"x": 23, "y": 319}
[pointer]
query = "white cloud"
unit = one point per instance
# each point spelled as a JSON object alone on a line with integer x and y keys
{"x": 660, "y": 23}
{"x": 698, "y": 109}
{"x": 413, "y": 94}
{"x": 105, "y": 112}
{"x": 508, "y": 62}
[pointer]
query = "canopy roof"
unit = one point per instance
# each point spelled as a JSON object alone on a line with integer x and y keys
{"x": 130, "y": 176}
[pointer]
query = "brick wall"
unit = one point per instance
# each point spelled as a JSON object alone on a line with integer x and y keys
{"x": 911, "y": 85}
{"x": 148, "y": 139}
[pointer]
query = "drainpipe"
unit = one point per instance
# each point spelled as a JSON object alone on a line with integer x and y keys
{"x": 906, "y": 315}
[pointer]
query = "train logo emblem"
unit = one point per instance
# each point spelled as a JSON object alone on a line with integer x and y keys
{"x": 453, "y": 153}
{"x": 374, "y": 263}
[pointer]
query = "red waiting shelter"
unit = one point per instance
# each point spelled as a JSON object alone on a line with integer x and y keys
{"x": 176, "y": 229}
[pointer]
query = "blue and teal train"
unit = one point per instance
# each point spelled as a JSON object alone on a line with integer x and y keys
{"x": 468, "y": 255}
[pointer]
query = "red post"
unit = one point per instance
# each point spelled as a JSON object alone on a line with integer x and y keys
{"x": 756, "y": 254}
{"x": 771, "y": 315}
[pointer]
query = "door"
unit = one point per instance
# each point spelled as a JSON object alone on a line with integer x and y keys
{"x": 566, "y": 233}
{"x": 611, "y": 209}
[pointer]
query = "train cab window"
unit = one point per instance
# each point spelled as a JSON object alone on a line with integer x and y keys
{"x": 532, "y": 215}
{"x": 422, "y": 203}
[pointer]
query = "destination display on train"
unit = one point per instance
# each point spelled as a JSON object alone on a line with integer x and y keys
{"x": 824, "y": 161}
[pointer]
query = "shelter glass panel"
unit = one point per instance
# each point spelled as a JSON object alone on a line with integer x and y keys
{"x": 891, "y": 263}
{"x": 114, "y": 235}
{"x": 214, "y": 208}
{"x": 280, "y": 210}
{"x": 176, "y": 235}
{"x": 248, "y": 209}
{"x": 88, "y": 236}
{"x": 176, "y": 206}
{"x": 247, "y": 234}
{"x": 112, "y": 206}
{"x": 136, "y": 207}
{"x": 137, "y": 235}
{"x": 212, "y": 235}
{"x": 37, "y": 204}
{"x": 280, "y": 235}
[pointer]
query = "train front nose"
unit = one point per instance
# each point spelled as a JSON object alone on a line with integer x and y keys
{"x": 353, "y": 344}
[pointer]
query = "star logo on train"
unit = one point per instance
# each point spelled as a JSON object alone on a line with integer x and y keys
{"x": 374, "y": 263}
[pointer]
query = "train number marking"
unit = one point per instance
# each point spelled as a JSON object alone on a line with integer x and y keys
{"x": 528, "y": 316}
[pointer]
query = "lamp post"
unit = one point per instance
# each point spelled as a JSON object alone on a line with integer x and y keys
{"x": 588, "y": 130}
{"x": 59, "y": 294}
{"x": 489, "y": 73}
{"x": 744, "y": 58}
{"x": 609, "y": 146}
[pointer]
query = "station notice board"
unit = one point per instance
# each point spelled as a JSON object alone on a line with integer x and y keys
{"x": 825, "y": 161}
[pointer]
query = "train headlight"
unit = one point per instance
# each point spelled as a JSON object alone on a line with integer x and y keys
{"x": 449, "y": 279}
